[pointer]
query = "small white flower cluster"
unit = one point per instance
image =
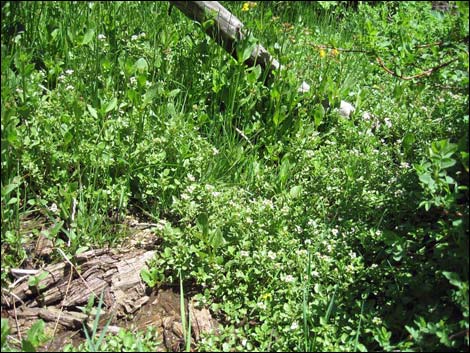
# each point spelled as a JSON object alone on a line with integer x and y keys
{"x": 271, "y": 255}
{"x": 138, "y": 36}
{"x": 288, "y": 278}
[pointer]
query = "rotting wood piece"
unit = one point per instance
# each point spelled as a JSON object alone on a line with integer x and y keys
{"x": 226, "y": 31}
{"x": 116, "y": 272}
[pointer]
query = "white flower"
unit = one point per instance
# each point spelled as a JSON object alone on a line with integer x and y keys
{"x": 69, "y": 88}
{"x": 185, "y": 196}
{"x": 304, "y": 87}
{"x": 309, "y": 153}
{"x": 134, "y": 37}
{"x": 61, "y": 78}
{"x": 312, "y": 223}
{"x": 244, "y": 253}
{"x": 53, "y": 208}
{"x": 388, "y": 122}
{"x": 216, "y": 193}
{"x": 133, "y": 80}
{"x": 404, "y": 165}
{"x": 261, "y": 305}
{"x": 366, "y": 116}
{"x": 101, "y": 37}
{"x": 142, "y": 35}
{"x": 289, "y": 279}
{"x": 346, "y": 109}
{"x": 271, "y": 255}
{"x": 268, "y": 203}
{"x": 69, "y": 71}
{"x": 294, "y": 326}
{"x": 191, "y": 178}
{"x": 335, "y": 231}
{"x": 215, "y": 151}
{"x": 377, "y": 320}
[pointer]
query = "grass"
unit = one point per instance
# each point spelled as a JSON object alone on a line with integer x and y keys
{"x": 306, "y": 230}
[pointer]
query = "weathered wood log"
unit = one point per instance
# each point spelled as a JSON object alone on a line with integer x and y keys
{"x": 226, "y": 31}
{"x": 116, "y": 272}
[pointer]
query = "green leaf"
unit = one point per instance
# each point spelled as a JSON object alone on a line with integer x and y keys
{"x": 254, "y": 74}
{"x": 408, "y": 141}
{"x": 149, "y": 96}
{"x": 453, "y": 278}
{"x": 5, "y": 332}
{"x": 67, "y": 138}
{"x": 12, "y": 186}
{"x": 111, "y": 105}
{"x": 92, "y": 111}
{"x": 88, "y": 37}
{"x": 247, "y": 50}
{"x": 203, "y": 223}
{"x": 318, "y": 115}
{"x": 12, "y": 201}
{"x": 447, "y": 162}
{"x": 148, "y": 277}
{"x": 141, "y": 65}
{"x": 295, "y": 191}
{"x": 27, "y": 346}
{"x": 174, "y": 93}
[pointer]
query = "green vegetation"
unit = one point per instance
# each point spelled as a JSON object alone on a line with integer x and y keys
{"x": 305, "y": 230}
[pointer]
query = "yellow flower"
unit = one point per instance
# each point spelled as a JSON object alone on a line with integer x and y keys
{"x": 266, "y": 296}
{"x": 248, "y": 5}
{"x": 322, "y": 53}
{"x": 335, "y": 52}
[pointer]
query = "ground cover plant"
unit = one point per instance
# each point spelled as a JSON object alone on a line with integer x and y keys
{"x": 304, "y": 230}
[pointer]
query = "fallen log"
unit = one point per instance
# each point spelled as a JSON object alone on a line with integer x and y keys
{"x": 227, "y": 30}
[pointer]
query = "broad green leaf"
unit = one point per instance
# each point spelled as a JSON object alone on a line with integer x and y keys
{"x": 141, "y": 65}
{"x": 12, "y": 186}
{"x": 149, "y": 96}
{"x": 453, "y": 278}
{"x": 254, "y": 74}
{"x": 295, "y": 191}
{"x": 447, "y": 162}
{"x": 111, "y": 105}
{"x": 174, "y": 93}
{"x": 92, "y": 111}
{"x": 88, "y": 37}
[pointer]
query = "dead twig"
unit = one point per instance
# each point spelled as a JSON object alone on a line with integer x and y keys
{"x": 427, "y": 72}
